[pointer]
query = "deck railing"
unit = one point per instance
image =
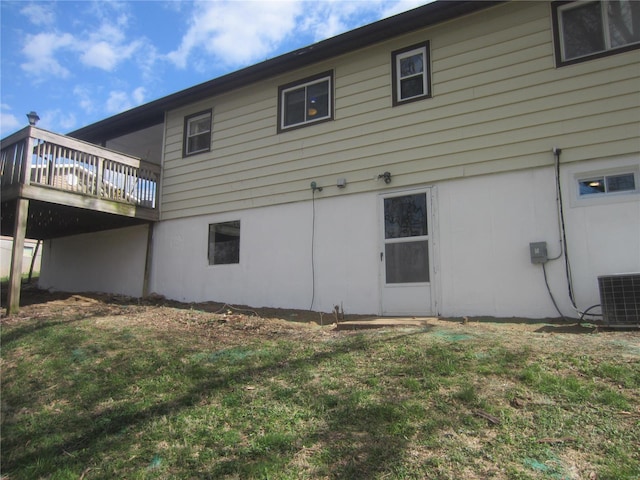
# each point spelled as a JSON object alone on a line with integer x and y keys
{"x": 34, "y": 156}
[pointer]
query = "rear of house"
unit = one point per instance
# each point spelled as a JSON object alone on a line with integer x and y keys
{"x": 403, "y": 176}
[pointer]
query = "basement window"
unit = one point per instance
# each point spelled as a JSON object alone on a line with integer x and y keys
{"x": 607, "y": 184}
{"x": 410, "y": 74}
{"x": 224, "y": 243}
{"x": 197, "y": 133}
{"x": 305, "y": 102}
{"x": 586, "y": 30}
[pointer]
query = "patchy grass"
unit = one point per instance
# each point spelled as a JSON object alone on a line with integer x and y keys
{"x": 142, "y": 392}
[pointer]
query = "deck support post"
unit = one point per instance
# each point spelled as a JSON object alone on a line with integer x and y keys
{"x": 148, "y": 260}
{"x": 17, "y": 254}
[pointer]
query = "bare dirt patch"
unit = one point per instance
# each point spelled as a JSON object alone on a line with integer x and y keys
{"x": 550, "y": 335}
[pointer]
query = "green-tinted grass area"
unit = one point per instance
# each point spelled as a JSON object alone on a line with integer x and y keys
{"x": 98, "y": 398}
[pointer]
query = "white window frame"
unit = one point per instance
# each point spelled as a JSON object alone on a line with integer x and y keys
{"x": 188, "y": 121}
{"x": 396, "y": 58}
{"x": 559, "y": 39}
{"x": 605, "y": 197}
{"x": 325, "y": 77}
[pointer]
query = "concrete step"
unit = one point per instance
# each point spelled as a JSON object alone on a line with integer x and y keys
{"x": 383, "y": 322}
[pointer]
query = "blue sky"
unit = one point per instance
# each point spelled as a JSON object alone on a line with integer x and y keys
{"x": 77, "y": 62}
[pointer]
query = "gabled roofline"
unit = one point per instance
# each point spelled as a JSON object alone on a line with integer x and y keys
{"x": 152, "y": 113}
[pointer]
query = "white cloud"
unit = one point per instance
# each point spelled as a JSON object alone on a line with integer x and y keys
{"x": 138, "y": 95}
{"x": 40, "y": 50}
{"x": 225, "y": 30}
{"x": 8, "y": 121}
{"x": 57, "y": 119}
{"x": 106, "y": 56}
{"x": 119, "y": 101}
{"x": 66, "y": 120}
{"x": 329, "y": 18}
{"x": 40, "y": 14}
{"x": 106, "y": 47}
{"x": 112, "y": 12}
{"x": 238, "y": 33}
{"x": 85, "y": 99}
{"x": 101, "y": 55}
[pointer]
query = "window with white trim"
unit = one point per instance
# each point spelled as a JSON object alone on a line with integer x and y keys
{"x": 224, "y": 243}
{"x": 585, "y": 30}
{"x": 607, "y": 184}
{"x": 411, "y": 73}
{"x": 197, "y": 133}
{"x": 305, "y": 102}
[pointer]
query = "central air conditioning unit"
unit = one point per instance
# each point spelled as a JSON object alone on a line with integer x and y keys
{"x": 620, "y": 299}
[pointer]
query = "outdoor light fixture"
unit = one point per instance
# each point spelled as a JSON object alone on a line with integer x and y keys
{"x": 386, "y": 176}
{"x": 33, "y": 118}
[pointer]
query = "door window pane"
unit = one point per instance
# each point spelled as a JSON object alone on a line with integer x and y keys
{"x": 405, "y": 216}
{"x": 407, "y": 262}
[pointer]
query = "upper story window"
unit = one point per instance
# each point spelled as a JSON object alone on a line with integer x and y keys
{"x": 410, "y": 70}
{"x": 306, "y": 101}
{"x": 585, "y": 30}
{"x": 197, "y": 133}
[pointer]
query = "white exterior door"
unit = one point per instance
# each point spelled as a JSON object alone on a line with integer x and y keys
{"x": 405, "y": 254}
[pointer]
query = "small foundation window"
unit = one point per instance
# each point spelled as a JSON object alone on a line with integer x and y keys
{"x": 224, "y": 243}
{"x": 607, "y": 184}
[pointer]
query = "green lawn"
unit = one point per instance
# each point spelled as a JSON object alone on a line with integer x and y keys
{"x": 158, "y": 393}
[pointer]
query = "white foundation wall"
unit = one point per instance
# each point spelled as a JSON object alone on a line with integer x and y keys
{"x": 111, "y": 261}
{"x": 481, "y": 228}
{"x": 275, "y": 268}
{"x": 603, "y": 233}
{"x": 486, "y": 224}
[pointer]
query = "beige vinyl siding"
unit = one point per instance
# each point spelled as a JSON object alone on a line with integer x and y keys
{"x": 498, "y": 104}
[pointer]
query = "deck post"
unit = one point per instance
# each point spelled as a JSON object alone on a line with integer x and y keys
{"x": 27, "y": 156}
{"x": 99, "y": 173}
{"x": 147, "y": 264}
{"x": 17, "y": 253}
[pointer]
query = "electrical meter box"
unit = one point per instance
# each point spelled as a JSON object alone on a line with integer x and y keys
{"x": 538, "y": 252}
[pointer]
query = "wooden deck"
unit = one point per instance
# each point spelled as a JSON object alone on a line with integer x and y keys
{"x": 52, "y": 186}
{"x": 47, "y": 167}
